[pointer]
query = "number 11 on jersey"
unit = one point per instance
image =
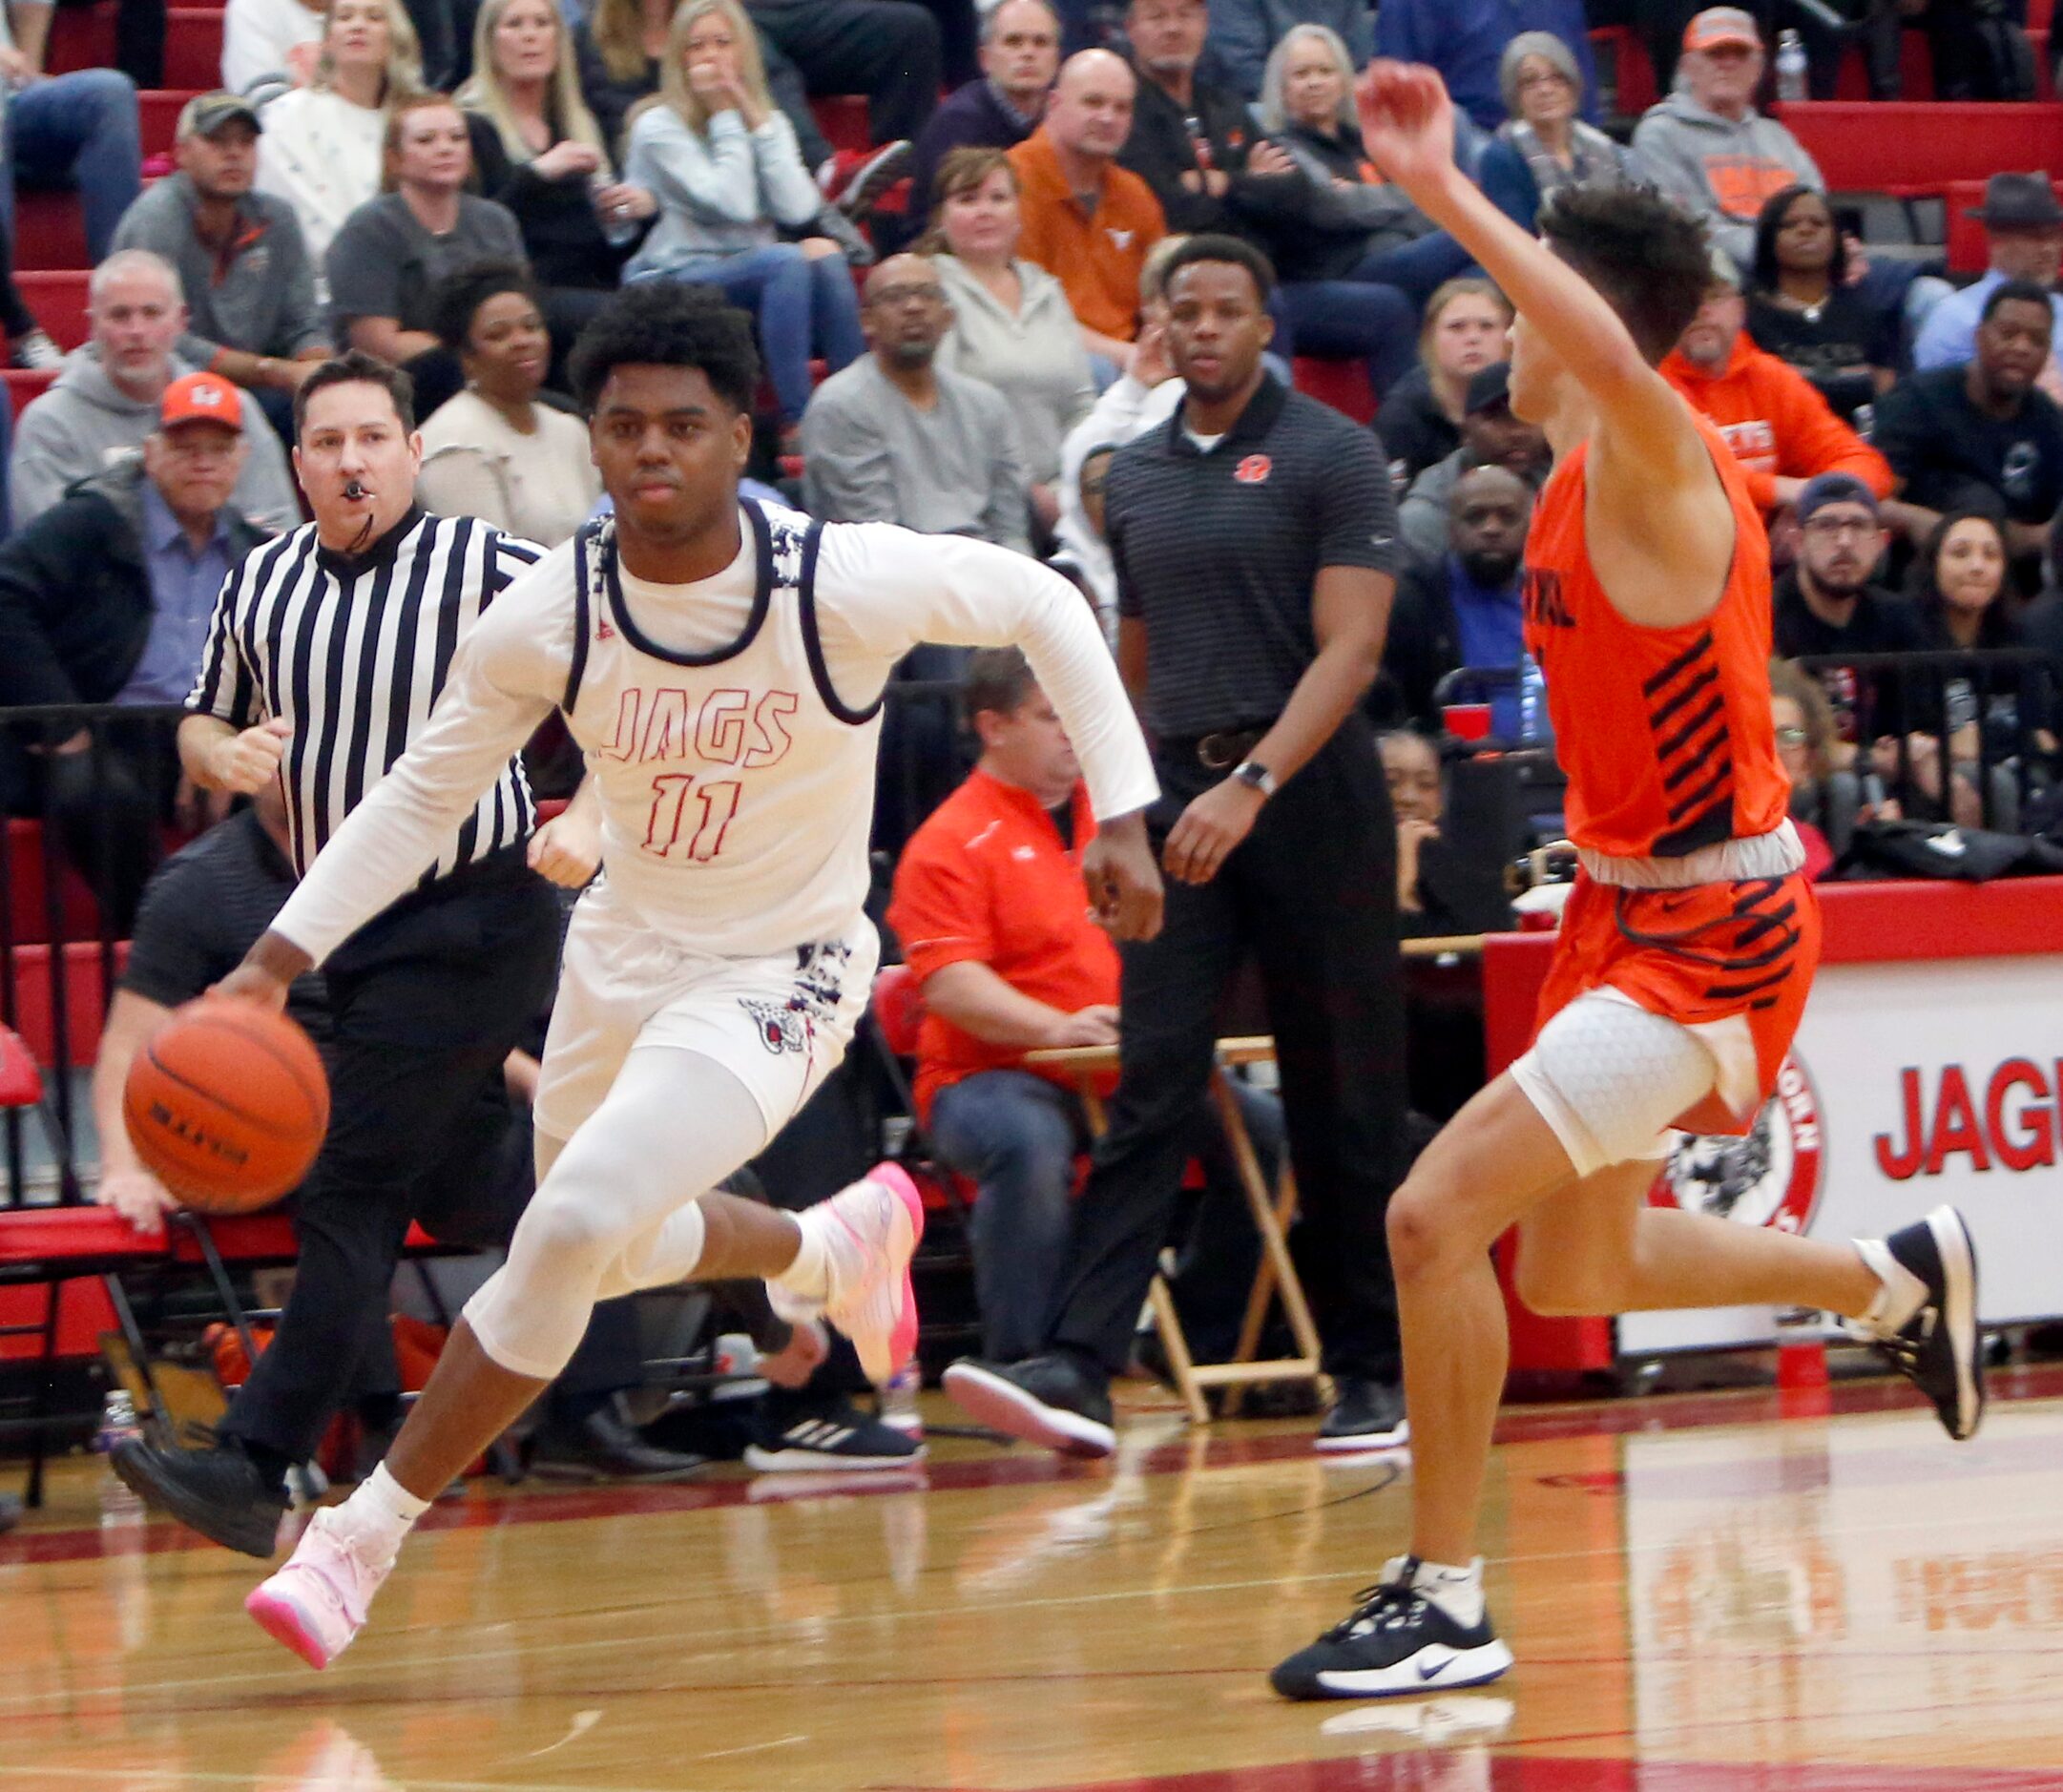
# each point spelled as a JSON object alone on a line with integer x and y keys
{"x": 670, "y": 811}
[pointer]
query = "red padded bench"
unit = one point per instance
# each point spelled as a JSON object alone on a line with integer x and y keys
{"x": 58, "y": 298}
{"x": 1907, "y": 148}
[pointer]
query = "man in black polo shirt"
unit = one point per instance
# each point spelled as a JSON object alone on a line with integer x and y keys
{"x": 1825, "y": 606}
{"x": 1254, "y": 537}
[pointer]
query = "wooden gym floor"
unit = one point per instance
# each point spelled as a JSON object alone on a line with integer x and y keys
{"x": 1705, "y": 1595}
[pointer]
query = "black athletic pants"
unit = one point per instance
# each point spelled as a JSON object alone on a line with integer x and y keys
{"x": 888, "y": 50}
{"x": 428, "y": 999}
{"x": 1310, "y": 895}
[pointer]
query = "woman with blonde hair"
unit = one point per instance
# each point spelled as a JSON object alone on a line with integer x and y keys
{"x": 539, "y": 150}
{"x": 1464, "y": 332}
{"x": 323, "y": 146}
{"x": 1012, "y": 325}
{"x": 717, "y": 162}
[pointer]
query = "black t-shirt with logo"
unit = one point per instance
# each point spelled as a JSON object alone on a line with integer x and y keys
{"x": 1835, "y": 345}
{"x": 1953, "y": 457}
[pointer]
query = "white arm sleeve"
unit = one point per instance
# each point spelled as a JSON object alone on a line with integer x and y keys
{"x": 881, "y": 589}
{"x": 506, "y": 679}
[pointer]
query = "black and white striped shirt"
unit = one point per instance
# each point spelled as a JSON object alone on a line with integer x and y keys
{"x": 353, "y": 651}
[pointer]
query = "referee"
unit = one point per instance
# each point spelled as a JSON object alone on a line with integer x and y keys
{"x": 1254, "y": 537}
{"x": 327, "y": 651}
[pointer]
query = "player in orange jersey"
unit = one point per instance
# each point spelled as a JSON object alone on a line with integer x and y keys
{"x": 1688, "y": 944}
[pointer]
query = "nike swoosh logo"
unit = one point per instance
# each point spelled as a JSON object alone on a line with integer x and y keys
{"x": 1433, "y": 1671}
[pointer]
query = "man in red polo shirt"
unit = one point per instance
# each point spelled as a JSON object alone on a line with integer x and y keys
{"x": 994, "y": 924}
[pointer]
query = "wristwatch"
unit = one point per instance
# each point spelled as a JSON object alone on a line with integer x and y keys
{"x": 1255, "y": 775}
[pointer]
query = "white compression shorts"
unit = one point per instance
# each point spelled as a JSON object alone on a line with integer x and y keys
{"x": 1610, "y": 1079}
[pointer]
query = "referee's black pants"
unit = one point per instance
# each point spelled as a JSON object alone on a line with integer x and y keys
{"x": 427, "y": 999}
{"x": 1310, "y": 894}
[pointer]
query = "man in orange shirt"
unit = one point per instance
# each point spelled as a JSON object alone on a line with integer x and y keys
{"x": 1779, "y": 427}
{"x": 1088, "y": 221}
{"x": 989, "y": 910}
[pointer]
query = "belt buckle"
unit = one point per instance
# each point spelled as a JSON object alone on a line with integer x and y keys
{"x": 1221, "y": 752}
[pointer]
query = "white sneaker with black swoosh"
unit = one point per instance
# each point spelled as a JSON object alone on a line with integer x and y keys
{"x": 1396, "y": 1641}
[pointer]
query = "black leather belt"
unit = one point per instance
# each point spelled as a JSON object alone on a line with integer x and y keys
{"x": 1221, "y": 752}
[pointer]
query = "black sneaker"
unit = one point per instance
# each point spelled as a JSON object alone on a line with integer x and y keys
{"x": 829, "y": 1434}
{"x": 602, "y": 1447}
{"x": 1367, "y": 1414}
{"x": 11, "y": 1512}
{"x": 1395, "y": 1640}
{"x": 219, "y": 1492}
{"x": 1046, "y": 1401}
{"x": 1937, "y": 1351}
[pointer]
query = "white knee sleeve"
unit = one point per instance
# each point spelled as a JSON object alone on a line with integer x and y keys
{"x": 1610, "y": 1079}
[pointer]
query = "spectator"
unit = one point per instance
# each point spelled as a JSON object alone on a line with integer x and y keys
{"x": 1192, "y": 141}
{"x": 252, "y": 316}
{"x": 1434, "y": 901}
{"x": 1803, "y": 309}
{"x": 1710, "y": 150}
{"x": 1011, "y": 328}
{"x": 63, "y": 130}
{"x": 1980, "y": 436}
{"x": 1462, "y": 607}
{"x": 1826, "y": 608}
{"x": 721, "y": 166}
{"x": 269, "y": 45}
{"x": 1775, "y": 421}
{"x": 493, "y": 450}
{"x": 1143, "y": 398}
{"x": 1464, "y": 332}
{"x": 891, "y": 50}
{"x": 986, "y": 903}
{"x": 1468, "y": 40}
{"x": 1960, "y": 589}
{"x": 1087, "y": 220}
{"x": 105, "y": 598}
{"x": 1490, "y": 436}
{"x": 105, "y": 402}
{"x": 323, "y": 145}
{"x": 1020, "y": 55}
{"x": 1806, "y": 742}
{"x": 1357, "y": 229}
{"x": 388, "y": 259}
{"x": 2023, "y": 234}
{"x": 1542, "y": 145}
{"x": 895, "y": 438}
{"x": 538, "y": 151}
{"x": 1243, "y": 33}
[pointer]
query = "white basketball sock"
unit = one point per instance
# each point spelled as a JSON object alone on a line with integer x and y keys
{"x": 1458, "y": 1592}
{"x": 1900, "y": 1295}
{"x": 378, "y": 1516}
{"x": 803, "y": 1286}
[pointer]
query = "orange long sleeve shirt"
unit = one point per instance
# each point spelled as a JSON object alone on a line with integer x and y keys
{"x": 1777, "y": 425}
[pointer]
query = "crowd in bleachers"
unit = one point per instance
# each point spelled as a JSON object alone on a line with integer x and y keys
{"x": 960, "y": 311}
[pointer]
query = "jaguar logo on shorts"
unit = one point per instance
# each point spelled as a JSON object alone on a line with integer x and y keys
{"x": 783, "y": 1026}
{"x": 1254, "y": 470}
{"x": 1769, "y": 1176}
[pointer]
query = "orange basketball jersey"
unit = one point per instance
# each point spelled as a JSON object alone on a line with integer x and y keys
{"x": 1664, "y": 734}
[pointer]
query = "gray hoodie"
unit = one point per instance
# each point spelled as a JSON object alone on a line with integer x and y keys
{"x": 1720, "y": 169}
{"x": 86, "y": 424}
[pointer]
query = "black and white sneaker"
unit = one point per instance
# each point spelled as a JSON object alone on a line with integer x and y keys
{"x": 1938, "y": 1349}
{"x": 1367, "y": 1414}
{"x": 1046, "y": 1400}
{"x": 1395, "y": 1640}
{"x": 827, "y": 1434}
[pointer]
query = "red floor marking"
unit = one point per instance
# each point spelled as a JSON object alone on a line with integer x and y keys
{"x": 1668, "y": 1412}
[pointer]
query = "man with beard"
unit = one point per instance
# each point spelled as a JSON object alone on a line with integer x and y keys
{"x": 894, "y": 438}
{"x": 1463, "y": 609}
{"x": 1490, "y": 436}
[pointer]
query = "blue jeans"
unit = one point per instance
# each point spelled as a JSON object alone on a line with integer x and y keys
{"x": 78, "y": 128}
{"x": 1354, "y": 319}
{"x": 798, "y": 301}
{"x": 1017, "y": 1135}
{"x": 1416, "y": 269}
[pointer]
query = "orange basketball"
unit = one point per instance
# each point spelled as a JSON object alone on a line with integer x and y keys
{"x": 226, "y": 1105}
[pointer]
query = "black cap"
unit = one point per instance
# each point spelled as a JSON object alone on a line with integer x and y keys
{"x": 1487, "y": 388}
{"x": 2018, "y": 202}
{"x": 1825, "y": 489}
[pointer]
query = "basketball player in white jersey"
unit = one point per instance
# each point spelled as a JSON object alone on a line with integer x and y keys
{"x": 721, "y": 667}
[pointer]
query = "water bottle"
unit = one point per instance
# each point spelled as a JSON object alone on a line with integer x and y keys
{"x": 899, "y": 1400}
{"x": 1790, "y": 66}
{"x": 1533, "y": 728}
{"x": 617, "y": 230}
{"x": 118, "y": 1505}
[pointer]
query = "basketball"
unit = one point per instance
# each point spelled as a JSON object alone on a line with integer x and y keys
{"x": 227, "y": 1104}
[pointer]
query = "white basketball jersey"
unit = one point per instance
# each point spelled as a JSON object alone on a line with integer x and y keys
{"x": 736, "y": 788}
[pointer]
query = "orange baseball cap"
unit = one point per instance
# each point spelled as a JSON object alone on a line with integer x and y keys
{"x": 200, "y": 398}
{"x": 1721, "y": 24}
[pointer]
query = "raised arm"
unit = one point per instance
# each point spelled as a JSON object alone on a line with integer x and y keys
{"x": 1654, "y": 492}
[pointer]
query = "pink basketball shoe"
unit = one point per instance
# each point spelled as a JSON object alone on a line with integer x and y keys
{"x": 317, "y": 1603}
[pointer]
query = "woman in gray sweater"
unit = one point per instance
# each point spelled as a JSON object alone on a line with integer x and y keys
{"x": 717, "y": 164}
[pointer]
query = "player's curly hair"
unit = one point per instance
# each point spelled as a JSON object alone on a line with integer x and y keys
{"x": 666, "y": 325}
{"x": 1649, "y": 257}
{"x": 460, "y": 294}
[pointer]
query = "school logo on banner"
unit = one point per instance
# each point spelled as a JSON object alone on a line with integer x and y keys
{"x": 1771, "y": 1176}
